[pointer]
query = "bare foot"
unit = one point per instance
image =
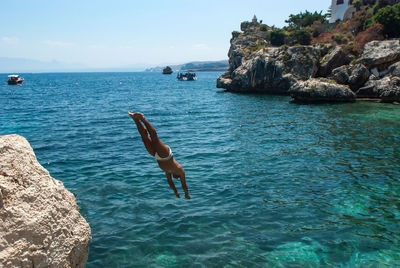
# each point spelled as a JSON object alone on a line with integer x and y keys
{"x": 138, "y": 115}
{"x": 187, "y": 196}
{"x": 131, "y": 115}
{"x": 177, "y": 195}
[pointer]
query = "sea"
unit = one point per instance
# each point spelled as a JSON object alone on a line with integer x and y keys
{"x": 273, "y": 184}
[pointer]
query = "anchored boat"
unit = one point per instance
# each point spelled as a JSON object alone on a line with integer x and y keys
{"x": 187, "y": 76}
{"x": 14, "y": 79}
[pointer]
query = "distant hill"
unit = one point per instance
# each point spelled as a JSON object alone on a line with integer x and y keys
{"x": 21, "y": 65}
{"x": 195, "y": 66}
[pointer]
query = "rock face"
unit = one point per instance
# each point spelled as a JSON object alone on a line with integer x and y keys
{"x": 395, "y": 69}
{"x": 335, "y": 58}
{"x": 271, "y": 70}
{"x": 40, "y": 225}
{"x": 378, "y": 53}
{"x": 387, "y": 88}
{"x": 353, "y": 75}
{"x": 256, "y": 66}
{"x": 167, "y": 70}
{"x": 321, "y": 90}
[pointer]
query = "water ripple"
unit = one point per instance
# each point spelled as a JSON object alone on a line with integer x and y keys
{"x": 273, "y": 184}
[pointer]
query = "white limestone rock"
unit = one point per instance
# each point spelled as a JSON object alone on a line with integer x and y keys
{"x": 319, "y": 90}
{"x": 40, "y": 225}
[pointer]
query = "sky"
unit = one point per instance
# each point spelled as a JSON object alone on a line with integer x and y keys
{"x": 127, "y": 33}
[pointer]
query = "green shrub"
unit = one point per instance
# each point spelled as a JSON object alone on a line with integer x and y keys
{"x": 315, "y": 32}
{"x": 301, "y": 36}
{"x": 276, "y": 37}
{"x": 389, "y": 17}
{"x": 306, "y": 19}
{"x": 340, "y": 38}
{"x": 257, "y": 46}
{"x": 350, "y": 47}
{"x": 263, "y": 28}
{"x": 357, "y": 4}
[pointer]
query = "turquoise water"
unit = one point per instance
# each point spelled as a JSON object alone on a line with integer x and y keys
{"x": 273, "y": 184}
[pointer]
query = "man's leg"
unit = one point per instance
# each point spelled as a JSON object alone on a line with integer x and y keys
{"x": 143, "y": 133}
{"x": 158, "y": 146}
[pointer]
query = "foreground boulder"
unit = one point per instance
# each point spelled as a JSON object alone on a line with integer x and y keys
{"x": 320, "y": 91}
{"x": 40, "y": 225}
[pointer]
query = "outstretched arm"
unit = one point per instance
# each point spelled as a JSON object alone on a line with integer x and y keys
{"x": 184, "y": 186}
{"x": 171, "y": 184}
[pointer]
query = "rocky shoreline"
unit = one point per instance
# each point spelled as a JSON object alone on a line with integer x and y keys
{"x": 40, "y": 224}
{"x": 313, "y": 73}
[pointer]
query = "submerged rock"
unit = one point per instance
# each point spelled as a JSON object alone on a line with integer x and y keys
{"x": 321, "y": 90}
{"x": 40, "y": 223}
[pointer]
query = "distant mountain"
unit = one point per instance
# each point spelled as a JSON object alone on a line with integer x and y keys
{"x": 195, "y": 66}
{"x": 21, "y": 65}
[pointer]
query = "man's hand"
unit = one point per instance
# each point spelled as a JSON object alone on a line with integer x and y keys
{"x": 172, "y": 185}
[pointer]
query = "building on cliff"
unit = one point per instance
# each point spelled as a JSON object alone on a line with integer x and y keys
{"x": 344, "y": 9}
{"x": 254, "y": 20}
{"x": 341, "y": 10}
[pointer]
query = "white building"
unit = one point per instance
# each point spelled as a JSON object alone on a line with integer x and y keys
{"x": 341, "y": 10}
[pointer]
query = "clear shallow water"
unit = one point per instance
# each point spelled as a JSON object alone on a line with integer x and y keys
{"x": 272, "y": 184}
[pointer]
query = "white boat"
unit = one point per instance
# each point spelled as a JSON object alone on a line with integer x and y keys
{"x": 186, "y": 76}
{"x": 14, "y": 79}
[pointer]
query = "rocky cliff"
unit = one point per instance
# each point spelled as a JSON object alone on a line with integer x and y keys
{"x": 256, "y": 66}
{"x": 40, "y": 225}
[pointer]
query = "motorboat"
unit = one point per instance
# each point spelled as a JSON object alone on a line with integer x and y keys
{"x": 14, "y": 79}
{"x": 186, "y": 76}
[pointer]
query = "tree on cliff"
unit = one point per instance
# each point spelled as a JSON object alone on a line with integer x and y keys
{"x": 276, "y": 37}
{"x": 306, "y": 19}
{"x": 300, "y": 36}
{"x": 389, "y": 17}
